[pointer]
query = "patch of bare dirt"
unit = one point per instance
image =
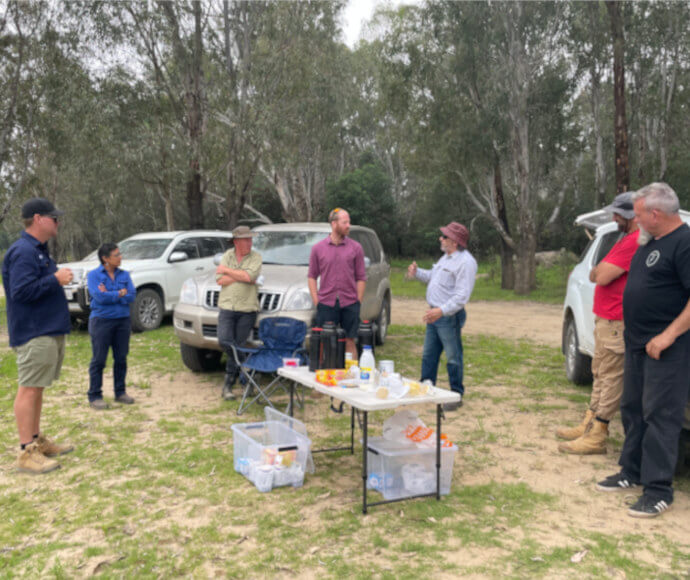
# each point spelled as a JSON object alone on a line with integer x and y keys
{"x": 513, "y": 320}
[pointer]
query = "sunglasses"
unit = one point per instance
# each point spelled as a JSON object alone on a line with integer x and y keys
{"x": 51, "y": 217}
{"x": 444, "y": 237}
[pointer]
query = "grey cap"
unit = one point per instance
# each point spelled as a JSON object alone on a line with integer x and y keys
{"x": 622, "y": 205}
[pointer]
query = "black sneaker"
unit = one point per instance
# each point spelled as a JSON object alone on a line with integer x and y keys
{"x": 648, "y": 507}
{"x": 617, "y": 482}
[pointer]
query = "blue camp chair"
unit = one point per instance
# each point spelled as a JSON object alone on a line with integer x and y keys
{"x": 281, "y": 337}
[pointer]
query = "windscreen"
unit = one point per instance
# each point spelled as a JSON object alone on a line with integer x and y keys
{"x": 286, "y": 248}
{"x": 148, "y": 249}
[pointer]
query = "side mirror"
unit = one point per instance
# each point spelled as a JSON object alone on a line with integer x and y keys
{"x": 367, "y": 262}
{"x": 217, "y": 258}
{"x": 178, "y": 257}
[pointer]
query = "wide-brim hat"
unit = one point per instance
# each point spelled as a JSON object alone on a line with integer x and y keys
{"x": 242, "y": 232}
{"x": 456, "y": 232}
{"x": 622, "y": 205}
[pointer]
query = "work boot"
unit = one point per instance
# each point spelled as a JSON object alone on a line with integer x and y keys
{"x": 593, "y": 442}
{"x": 31, "y": 460}
{"x": 229, "y": 383}
{"x": 570, "y": 433}
{"x": 49, "y": 448}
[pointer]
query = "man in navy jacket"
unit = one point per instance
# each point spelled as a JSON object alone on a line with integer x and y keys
{"x": 37, "y": 320}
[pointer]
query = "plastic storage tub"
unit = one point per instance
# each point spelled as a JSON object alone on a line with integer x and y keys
{"x": 273, "y": 453}
{"x": 399, "y": 470}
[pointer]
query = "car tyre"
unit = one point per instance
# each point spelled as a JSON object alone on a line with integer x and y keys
{"x": 147, "y": 310}
{"x": 383, "y": 321}
{"x": 578, "y": 366}
{"x": 200, "y": 360}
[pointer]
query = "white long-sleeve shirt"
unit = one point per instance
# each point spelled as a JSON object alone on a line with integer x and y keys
{"x": 450, "y": 281}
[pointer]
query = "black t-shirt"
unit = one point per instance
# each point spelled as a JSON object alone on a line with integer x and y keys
{"x": 658, "y": 286}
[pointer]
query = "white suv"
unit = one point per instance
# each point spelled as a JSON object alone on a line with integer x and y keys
{"x": 578, "y": 318}
{"x": 159, "y": 262}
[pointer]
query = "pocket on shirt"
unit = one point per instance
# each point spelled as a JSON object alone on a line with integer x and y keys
{"x": 446, "y": 278}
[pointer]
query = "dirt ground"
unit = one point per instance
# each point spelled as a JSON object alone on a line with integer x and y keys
{"x": 529, "y": 320}
{"x": 526, "y": 450}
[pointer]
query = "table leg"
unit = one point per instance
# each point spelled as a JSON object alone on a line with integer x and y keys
{"x": 438, "y": 452}
{"x": 365, "y": 444}
{"x": 352, "y": 431}
{"x": 292, "y": 397}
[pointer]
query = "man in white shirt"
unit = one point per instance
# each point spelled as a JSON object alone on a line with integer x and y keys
{"x": 450, "y": 283}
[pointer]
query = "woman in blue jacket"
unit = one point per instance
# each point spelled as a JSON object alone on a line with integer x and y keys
{"x": 111, "y": 292}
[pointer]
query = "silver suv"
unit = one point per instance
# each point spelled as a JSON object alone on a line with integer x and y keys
{"x": 285, "y": 249}
{"x": 159, "y": 262}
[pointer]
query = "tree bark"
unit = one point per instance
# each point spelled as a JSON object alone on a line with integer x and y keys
{"x": 507, "y": 254}
{"x": 614, "y": 8}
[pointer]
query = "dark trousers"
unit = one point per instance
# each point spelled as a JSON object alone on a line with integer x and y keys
{"x": 654, "y": 396}
{"x": 107, "y": 333}
{"x": 234, "y": 329}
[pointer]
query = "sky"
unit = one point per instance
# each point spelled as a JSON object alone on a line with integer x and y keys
{"x": 357, "y": 12}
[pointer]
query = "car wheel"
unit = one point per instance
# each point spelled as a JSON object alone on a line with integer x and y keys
{"x": 147, "y": 310}
{"x": 200, "y": 360}
{"x": 578, "y": 366}
{"x": 383, "y": 321}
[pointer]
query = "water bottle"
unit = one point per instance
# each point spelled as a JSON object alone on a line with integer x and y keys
{"x": 315, "y": 349}
{"x": 367, "y": 364}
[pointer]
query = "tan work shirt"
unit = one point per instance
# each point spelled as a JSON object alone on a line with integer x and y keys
{"x": 241, "y": 296}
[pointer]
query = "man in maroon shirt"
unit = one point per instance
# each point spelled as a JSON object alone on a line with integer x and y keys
{"x": 339, "y": 261}
{"x": 610, "y": 276}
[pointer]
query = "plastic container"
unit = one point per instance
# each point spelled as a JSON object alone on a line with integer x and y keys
{"x": 402, "y": 470}
{"x": 367, "y": 365}
{"x": 315, "y": 349}
{"x": 273, "y": 453}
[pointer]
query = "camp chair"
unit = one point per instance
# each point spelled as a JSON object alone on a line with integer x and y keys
{"x": 281, "y": 337}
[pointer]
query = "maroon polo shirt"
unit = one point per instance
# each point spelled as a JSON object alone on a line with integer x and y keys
{"x": 340, "y": 267}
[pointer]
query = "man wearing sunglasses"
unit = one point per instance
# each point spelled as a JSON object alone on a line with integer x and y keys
{"x": 37, "y": 320}
{"x": 449, "y": 285}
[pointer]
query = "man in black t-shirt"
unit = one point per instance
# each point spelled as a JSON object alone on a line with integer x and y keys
{"x": 656, "y": 313}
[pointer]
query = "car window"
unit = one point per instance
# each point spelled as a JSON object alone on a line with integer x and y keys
{"x": 148, "y": 249}
{"x": 210, "y": 246}
{"x": 370, "y": 251}
{"x": 607, "y": 242}
{"x": 286, "y": 248}
{"x": 189, "y": 247}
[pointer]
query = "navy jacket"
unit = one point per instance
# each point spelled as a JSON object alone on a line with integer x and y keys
{"x": 36, "y": 303}
{"x": 108, "y": 304}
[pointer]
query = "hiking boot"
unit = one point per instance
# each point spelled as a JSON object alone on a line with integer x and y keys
{"x": 125, "y": 399}
{"x": 570, "y": 433}
{"x": 31, "y": 460}
{"x": 617, "y": 482}
{"x": 593, "y": 442}
{"x": 99, "y": 405}
{"x": 648, "y": 507}
{"x": 49, "y": 448}
{"x": 453, "y": 406}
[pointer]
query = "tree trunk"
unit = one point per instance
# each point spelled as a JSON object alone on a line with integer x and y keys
{"x": 526, "y": 270}
{"x": 507, "y": 254}
{"x": 620, "y": 123}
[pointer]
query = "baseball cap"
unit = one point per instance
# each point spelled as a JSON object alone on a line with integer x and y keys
{"x": 622, "y": 205}
{"x": 40, "y": 206}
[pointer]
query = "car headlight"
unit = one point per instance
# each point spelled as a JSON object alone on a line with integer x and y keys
{"x": 299, "y": 300}
{"x": 189, "y": 293}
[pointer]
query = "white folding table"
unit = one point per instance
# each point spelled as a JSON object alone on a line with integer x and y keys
{"x": 366, "y": 401}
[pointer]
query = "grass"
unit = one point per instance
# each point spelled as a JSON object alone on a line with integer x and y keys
{"x": 151, "y": 491}
{"x": 551, "y": 282}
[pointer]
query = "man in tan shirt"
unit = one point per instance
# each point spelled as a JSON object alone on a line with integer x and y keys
{"x": 238, "y": 301}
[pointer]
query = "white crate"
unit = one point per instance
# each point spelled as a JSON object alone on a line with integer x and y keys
{"x": 272, "y": 453}
{"x": 402, "y": 470}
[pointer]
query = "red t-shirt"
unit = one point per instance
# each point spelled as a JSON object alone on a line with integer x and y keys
{"x": 608, "y": 300}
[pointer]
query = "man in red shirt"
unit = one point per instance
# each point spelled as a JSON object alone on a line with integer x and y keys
{"x": 610, "y": 276}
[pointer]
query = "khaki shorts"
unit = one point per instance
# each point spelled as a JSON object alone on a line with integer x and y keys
{"x": 39, "y": 361}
